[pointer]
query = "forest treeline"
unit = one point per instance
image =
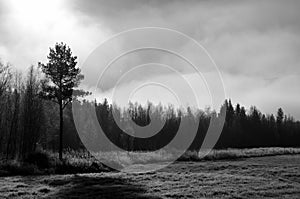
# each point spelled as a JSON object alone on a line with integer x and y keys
{"x": 28, "y": 121}
{"x": 242, "y": 128}
{"x": 36, "y": 113}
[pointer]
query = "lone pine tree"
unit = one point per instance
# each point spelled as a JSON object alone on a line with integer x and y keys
{"x": 62, "y": 76}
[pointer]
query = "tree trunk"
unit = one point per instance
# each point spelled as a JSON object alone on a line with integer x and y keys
{"x": 61, "y": 131}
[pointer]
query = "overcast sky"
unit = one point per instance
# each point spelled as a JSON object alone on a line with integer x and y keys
{"x": 255, "y": 44}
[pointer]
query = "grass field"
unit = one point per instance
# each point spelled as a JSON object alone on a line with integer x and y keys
{"x": 46, "y": 162}
{"x": 259, "y": 177}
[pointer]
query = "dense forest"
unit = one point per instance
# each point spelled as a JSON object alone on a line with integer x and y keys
{"x": 30, "y": 121}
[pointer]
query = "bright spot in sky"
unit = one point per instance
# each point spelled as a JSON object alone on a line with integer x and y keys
{"x": 36, "y": 12}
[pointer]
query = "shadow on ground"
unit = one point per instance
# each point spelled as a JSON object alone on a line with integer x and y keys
{"x": 99, "y": 187}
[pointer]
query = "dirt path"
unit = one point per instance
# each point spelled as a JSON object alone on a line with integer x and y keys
{"x": 265, "y": 177}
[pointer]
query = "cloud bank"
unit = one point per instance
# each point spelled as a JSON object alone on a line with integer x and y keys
{"x": 255, "y": 43}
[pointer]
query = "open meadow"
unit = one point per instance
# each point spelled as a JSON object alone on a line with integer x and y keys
{"x": 257, "y": 177}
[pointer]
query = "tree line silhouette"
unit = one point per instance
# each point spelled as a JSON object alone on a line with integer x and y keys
{"x": 36, "y": 112}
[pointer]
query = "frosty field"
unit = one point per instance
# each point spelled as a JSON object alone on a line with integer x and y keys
{"x": 260, "y": 177}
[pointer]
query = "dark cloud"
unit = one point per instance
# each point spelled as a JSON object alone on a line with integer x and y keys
{"x": 244, "y": 36}
{"x": 191, "y": 16}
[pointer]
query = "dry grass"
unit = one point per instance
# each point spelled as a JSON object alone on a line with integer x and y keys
{"x": 237, "y": 153}
{"x": 262, "y": 177}
{"x": 129, "y": 158}
{"x": 84, "y": 162}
